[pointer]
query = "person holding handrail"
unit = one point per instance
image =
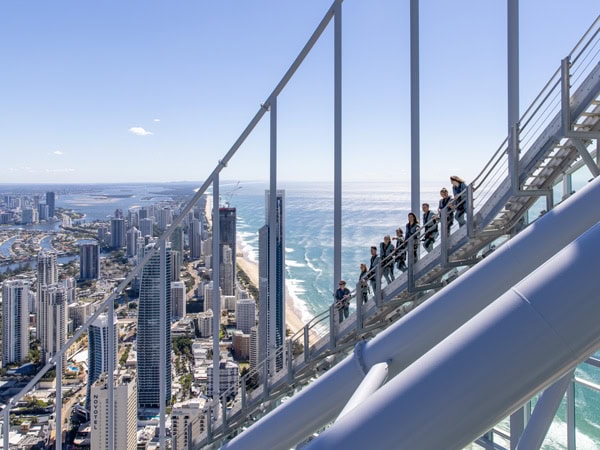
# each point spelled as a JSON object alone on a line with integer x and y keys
{"x": 459, "y": 189}
{"x": 342, "y": 301}
{"x": 400, "y": 251}
{"x": 412, "y": 228}
{"x": 446, "y": 202}
{"x": 363, "y": 281}
{"x": 386, "y": 249}
{"x": 373, "y": 267}
{"x": 431, "y": 228}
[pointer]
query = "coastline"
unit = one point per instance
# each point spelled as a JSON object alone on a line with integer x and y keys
{"x": 293, "y": 319}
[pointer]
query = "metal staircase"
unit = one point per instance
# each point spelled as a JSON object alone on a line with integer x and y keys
{"x": 553, "y": 136}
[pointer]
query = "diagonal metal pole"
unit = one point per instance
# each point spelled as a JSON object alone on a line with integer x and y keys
{"x": 272, "y": 297}
{"x": 415, "y": 123}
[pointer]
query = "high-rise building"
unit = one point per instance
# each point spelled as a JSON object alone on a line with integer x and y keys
{"x": 132, "y": 235}
{"x": 177, "y": 240}
{"x": 118, "y": 213}
{"x": 226, "y": 271}
{"x": 205, "y": 323}
{"x": 240, "y": 343}
{"x": 245, "y": 314}
{"x": 178, "y": 299}
{"x": 43, "y": 212}
{"x": 103, "y": 235}
{"x": 98, "y": 350}
{"x": 133, "y": 217}
{"x": 51, "y": 319}
{"x": 227, "y": 224}
{"x": 89, "y": 261}
{"x": 146, "y": 226}
{"x": 15, "y": 321}
{"x": 229, "y": 376}
{"x": 117, "y": 232}
{"x": 253, "y": 348}
{"x": 165, "y": 218}
{"x": 271, "y": 322}
{"x": 155, "y": 287}
{"x": 125, "y": 413}
{"x": 29, "y": 216}
{"x": 188, "y": 422}
{"x": 47, "y": 272}
{"x": 176, "y": 262}
{"x": 194, "y": 238}
{"x": 79, "y": 312}
{"x": 50, "y": 201}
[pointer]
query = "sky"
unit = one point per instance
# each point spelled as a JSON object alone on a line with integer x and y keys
{"x": 149, "y": 91}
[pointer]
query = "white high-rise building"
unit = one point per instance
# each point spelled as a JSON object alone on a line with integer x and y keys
{"x": 15, "y": 321}
{"x": 178, "y": 299}
{"x": 245, "y": 314}
{"x": 131, "y": 246}
{"x": 188, "y": 422}
{"x": 125, "y": 413}
{"x": 165, "y": 218}
{"x": 98, "y": 349}
{"x": 79, "y": 313}
{"x": 229, "y": 376}
{"x": 208, "y": 296}
{"x": 47, "y": 272}
{"x": 52, "y": 319}
{"x": 205, "y": 323}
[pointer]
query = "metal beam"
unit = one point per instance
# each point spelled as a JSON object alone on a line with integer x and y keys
{"x": 216, "y": 298}
{"x": 586, "y": 157}
{"x": 415, "y": 120}
{"x": 272, "y": 221}
{"x": 372, "y": 381}
{"x": 337, "y": 144}
{"x": 162, "y": 327}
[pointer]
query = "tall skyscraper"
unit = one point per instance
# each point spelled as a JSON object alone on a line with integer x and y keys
{"x": 177, "y": 240}
{"x": 153, "y": 290}
{"x": 52, "y": 319}
{"x": 47, "y": 272}
{"x": 125, "y": 413}
{"x": 15, "y": 321}
{"x": 98, "y": 350}
{"x": 245, "y": 314}
{"x": 194, "y": 238}
{"x": 178, "y": 299}
{"x": 146, "y": 226}
{"x": 50, "y": 201}
{"x": 271, "y": 322}
{"x": 227, "y": 223}
{"x": 165, "y": 218}
{"x": 117, "y": 233}
{"x": 89, "y": 261}
{"x": 132, "y": 235}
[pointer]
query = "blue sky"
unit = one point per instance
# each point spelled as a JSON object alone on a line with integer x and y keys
{"x": 134, "y": 91}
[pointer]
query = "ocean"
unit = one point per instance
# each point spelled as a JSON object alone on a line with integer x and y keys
{"x": 370, "y": 211}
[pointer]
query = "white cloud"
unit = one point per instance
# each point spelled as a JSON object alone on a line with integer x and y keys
{"x": 156, "y": 120}
{"x": 139, "y": 131}
{"x": 64, "y": 170}
{"x": 57, "y": 152}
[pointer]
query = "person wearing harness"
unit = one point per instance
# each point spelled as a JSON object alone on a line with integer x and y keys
{"x": 386, "y": 249}
{"x": 373, "y": 266}
{"x": 412, "y": 227}
{"x": 459, "y": 189}
{"x": 342, "y": 301}
{"x": 431, "y": 228}
{"x": 400, "y": 250}
{"x": 446, "y": 202}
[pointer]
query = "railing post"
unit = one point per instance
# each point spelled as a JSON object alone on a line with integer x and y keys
{"x": 243, "y": 389}
{"x": 209, "y": 420}
{"x": 444, "y": 238}
{"x": 290, "y": 362}
{"x": 58, "y": 415}
{"x": 469, "y": 200}
{"x": 571, "y": 430}
{"x": 265, "y": 379}
{"x": 410, "y": 255}
{"x": 513, "y": 157}
{"x": 359, "y": 305}
{"x": 224, "y": 413}
{"x": 6, "y": 425}
{"x": 565, "y": 85}
{"x": 378, "y": 296}
{"x": 332, "y": 327}
{"x": 306, "y": 344}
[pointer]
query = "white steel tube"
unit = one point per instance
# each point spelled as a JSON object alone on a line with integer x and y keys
{"x": 162, "y": 327}
{"x": 373, "y": 381}
{"x": 432, "y": 322}
{"x": 110, "y": 379}
{"x": 543, "y": 414}
{"x": 537, "y": 332}
{"x": 59, "y": 402}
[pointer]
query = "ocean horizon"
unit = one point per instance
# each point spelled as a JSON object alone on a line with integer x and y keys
{"x": 370, "y": 210}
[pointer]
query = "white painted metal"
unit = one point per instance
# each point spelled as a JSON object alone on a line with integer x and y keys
{"x": 59, "y": 402}
{"x": 543, "y": 414}
{"x": 537, "y": 331}
{"x": 415, "y": 111}
{"x": 373, "y": 381}
{"x": 337, "y": 144}
{"x": 216, "y": 298}
{"x": 162, "y": 326}
{"x": 321, "y": 402}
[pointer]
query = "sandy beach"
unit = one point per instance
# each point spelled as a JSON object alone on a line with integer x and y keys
{"x": 292, "y": 318}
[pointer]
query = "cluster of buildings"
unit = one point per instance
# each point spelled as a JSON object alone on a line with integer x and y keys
{"x": 47, "y": 310}
{"x": 27, "y": 210}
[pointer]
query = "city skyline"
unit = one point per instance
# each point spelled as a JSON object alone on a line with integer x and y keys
{"x": 180, "y": 84}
